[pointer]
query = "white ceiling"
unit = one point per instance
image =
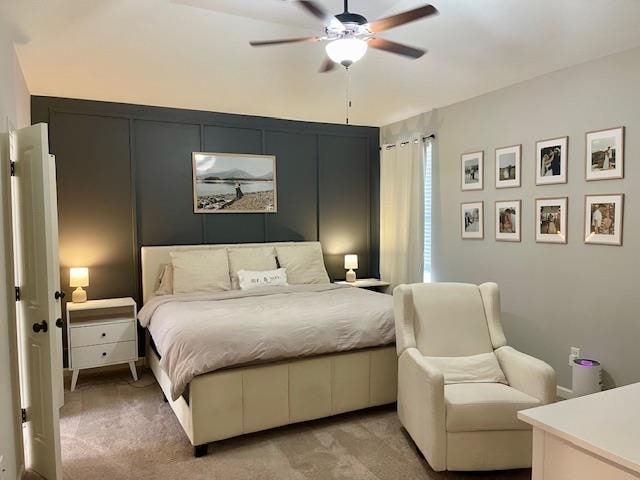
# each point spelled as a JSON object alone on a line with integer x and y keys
{"x": 170, "y": 53}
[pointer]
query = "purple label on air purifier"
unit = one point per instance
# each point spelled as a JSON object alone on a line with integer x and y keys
{"x": 585, "y": 362}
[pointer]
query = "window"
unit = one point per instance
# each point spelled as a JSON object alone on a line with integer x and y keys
{"x": 428, "y": 146}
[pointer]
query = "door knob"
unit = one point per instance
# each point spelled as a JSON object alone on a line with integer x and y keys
{"x": 41, "y": 327}
{"x": 59, "y": 323}
{"x": 59, "y": 295}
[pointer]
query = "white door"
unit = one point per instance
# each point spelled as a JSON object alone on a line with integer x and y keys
{"x": 37, "y": 274}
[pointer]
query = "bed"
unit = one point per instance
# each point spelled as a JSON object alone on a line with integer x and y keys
{"x": 236, "y": 362}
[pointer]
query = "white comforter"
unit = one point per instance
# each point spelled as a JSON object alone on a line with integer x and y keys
{"x": 197, "y": 334}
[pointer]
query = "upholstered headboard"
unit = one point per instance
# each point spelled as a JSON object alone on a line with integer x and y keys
{"x": 154, "y": 258}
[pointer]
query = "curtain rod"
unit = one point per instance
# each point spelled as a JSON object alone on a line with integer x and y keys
{"x": 402, "y": 144}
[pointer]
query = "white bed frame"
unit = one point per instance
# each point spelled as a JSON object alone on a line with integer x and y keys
{"x": 231, "y": 402}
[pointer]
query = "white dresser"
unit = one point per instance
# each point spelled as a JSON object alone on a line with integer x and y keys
{"x": 588, "y": 438}
{"x": 100, "y": 333}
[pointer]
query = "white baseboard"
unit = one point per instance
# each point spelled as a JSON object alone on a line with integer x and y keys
{"x": 564, "y": 393}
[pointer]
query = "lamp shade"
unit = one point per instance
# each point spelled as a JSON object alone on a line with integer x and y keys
{"x": 351, "y": 261}
{"x": 346, "y": 50}
{"x": 79, "y": 277}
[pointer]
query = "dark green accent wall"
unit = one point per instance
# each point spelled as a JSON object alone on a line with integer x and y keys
{"x": 124, "y": 180}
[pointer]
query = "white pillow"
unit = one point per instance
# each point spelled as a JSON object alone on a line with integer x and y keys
{"x": 304, "y": 263}
{"x": 200, "y": 271}
{"x": 482, "y": 368}
{"x": 165, "y": 282}
{"x": 257, "y": 279}
{"x": 250, "y": 258}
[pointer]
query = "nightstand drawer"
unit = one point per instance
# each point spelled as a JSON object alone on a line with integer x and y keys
{"x": 101, "y": 334}
{"x": 96, "y": 355}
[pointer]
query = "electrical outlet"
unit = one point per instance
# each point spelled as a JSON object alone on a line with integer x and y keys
{"x": 574, "y": 353}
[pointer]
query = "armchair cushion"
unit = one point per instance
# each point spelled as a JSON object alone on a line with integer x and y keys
{"x": 481, "y": 368}
{"x": 474, "y": 407}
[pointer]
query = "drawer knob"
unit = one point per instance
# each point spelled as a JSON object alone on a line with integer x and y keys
{"x": 104, "y": 354}
{"x": 103, "y": 335}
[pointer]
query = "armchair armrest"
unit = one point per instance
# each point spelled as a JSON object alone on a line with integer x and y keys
{"x": 528, "y": 374}
{"x": 421, "y": 405}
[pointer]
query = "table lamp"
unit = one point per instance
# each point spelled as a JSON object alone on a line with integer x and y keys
{"x": 351, "y": 262}
{"x": 79, "y": 277}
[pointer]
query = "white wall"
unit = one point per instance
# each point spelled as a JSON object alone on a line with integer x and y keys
{"x": 553, "y": 296}
{"x": 14, "y": 104}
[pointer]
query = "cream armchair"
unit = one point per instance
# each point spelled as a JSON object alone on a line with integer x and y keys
{"x": 463, "y": 426}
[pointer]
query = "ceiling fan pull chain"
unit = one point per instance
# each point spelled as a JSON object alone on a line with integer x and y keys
{"x": 348, "y": 92}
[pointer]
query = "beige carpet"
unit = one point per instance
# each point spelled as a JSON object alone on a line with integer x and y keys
{"x": 113, "y": 429}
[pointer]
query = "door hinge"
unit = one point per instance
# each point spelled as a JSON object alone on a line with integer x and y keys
{"x": 18, "y": 294}
{"x": 13, "y": 168}
{"x": 23, "y": 415}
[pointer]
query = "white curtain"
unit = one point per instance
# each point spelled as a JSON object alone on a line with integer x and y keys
{"x": 402, "y": 213}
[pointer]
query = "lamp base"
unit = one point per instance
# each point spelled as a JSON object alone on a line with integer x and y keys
{"x": 351, "y": 275}
{"x": 79, "y": 295}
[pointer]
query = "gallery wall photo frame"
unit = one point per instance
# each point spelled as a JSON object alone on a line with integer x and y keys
{"x": 234, "y": 183}
{"x": 604, "y": 150}
{"x": 472, "y": 171}
{"x": 472, "y": 220}
{"x": 551, "y": 161}
{"x": 604, "y": 219}
{"x": 550, "y": 220}
{"x": 508, "y": 220}
{"x": 508, "y": 166}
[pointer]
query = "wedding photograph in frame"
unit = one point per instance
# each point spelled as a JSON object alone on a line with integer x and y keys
{"x": 603, "y": 217}
{"x": 551, "y": 220}
{"x": 605, "y": 154}
{"x": 472, "y": 171}
{"x": 507, "y": 166}
{"x": 234, "y": 183}
{"x": 551, "y": 161}
{"x": 472, "y": 220}
{"x": 508, "y": 220}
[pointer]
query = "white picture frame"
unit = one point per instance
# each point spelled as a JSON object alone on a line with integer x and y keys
{"x": 472, "y": 220}
{"x": 604, "y": 154}
{"x": 234, "y": 183}
{"x": 507, "y": 166}
{"x": 551, "y": 220}
{"x": 508, "y": 220}
{"x": 472, "y": 171}
{"x": 551, "y": 161}
{"x": 603, "y": 219}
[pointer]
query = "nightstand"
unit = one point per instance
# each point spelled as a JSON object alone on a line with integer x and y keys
{"x": 368, "y": 283}
{"x": 100, "y": 333}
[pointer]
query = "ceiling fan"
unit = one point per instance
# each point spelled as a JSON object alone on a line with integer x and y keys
{"x": 350, "y": 34}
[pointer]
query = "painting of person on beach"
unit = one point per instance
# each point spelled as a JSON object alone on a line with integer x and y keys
{"x": 234, "y": 183}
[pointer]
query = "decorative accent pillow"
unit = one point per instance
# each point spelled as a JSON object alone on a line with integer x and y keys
{"x": 304, "y": 263}
{"x": 165, "y": 282}
{"x": 482, "y": 368}
{"x": 257, "y": 279}
{"x": 250, "y": 258}
{"x": 200, "y": 271}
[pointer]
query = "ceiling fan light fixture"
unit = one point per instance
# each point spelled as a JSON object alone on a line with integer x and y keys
{"x": 346, "y": 51}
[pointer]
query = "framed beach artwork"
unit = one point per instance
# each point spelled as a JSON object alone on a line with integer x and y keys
{"x": 603, "y": 219}
{"x": 508, "y": 166}
{"x": 551, "y": 161}
{"x": 234, "y": 183}
{"x": 605, "y": 154}
{"x": 508, "y": 220}
{"x": 472, "y": 170}
{"x": 551, "y": 220}
{"x": 472, "y": 220}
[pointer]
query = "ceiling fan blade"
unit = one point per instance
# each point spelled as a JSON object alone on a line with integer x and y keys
{"x": 327, "y": 65}
{"x": 398, "y": 48}
{"x": 266, "y": 43}
{"x": 383, "y": 24}
{"x": 314, "y": 9}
